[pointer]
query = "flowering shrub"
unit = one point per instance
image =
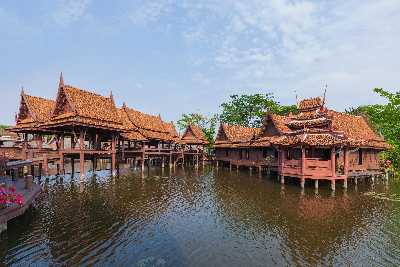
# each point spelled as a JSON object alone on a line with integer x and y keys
{"x": 8, "y": 195}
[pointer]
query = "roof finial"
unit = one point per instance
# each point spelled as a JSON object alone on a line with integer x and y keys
{"x": 323, "y": 101}
{"x": 297, "y": 98}
{"x": 112, "y": 96}
{"x": 61, "y": 82}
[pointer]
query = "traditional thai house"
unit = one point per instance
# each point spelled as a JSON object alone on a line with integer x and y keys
{"x": 86, "y": 126}
{"x": 33, "y": 112}
{"x": 232, "y": 147}
{"x": 320, "y": 144}
{"x": 193, "y": 142}
{"x": 147, "y": 137}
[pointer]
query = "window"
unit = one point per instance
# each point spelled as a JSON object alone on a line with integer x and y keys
{"x": 360, "y": 157}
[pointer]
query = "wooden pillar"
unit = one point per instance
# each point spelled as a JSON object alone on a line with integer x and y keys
{"x": 61, "y": 153}
{"x": 113, "y": 154}
{"x": 333, "y": 186}
{"x": 303, "y": 161}
{"x": 230, "y": 165}
{"x": 142, "y": 162}
{"x": 345, "y": 183}
{"x": 162, "y": 161}
{"x": 217, "y": 163}
{"x": 123, "y": 150}
{"x": 25, "y": 147}
{"x": 345, "y": 162}
{"x": 302, "y": 182}
{"x": 333, "y": 162}
{"x": 170, "y": 160}
{"x": 282, "y": 167}
{"x": 45, "y": 164}
{"x": 282, "y": 179}
{"x": 316, "y": 183}
{"x": 81, "y": 154}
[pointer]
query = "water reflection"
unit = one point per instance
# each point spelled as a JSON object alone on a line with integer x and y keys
{"x": 197, "y": 217}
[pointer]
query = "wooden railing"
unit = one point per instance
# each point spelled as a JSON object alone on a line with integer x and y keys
{"x": 313, "y": 167}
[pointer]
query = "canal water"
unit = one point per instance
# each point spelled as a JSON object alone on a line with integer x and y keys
{"x": 205, "y": 217}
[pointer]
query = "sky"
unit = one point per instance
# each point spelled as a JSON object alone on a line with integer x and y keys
{"x": 172, "y": 57}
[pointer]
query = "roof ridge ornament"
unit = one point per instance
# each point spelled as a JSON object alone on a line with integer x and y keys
{"x": 61, "y": 82}
{"x": 324, "y": 98}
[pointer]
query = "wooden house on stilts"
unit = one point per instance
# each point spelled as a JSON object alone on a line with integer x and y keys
{"x": 86, "y": 126}
{"x": 193, "y": 142}
{"x": 315, "y": 144}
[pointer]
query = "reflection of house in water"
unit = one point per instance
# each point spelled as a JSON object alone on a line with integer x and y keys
{"x": 315, "y": 144}
{"x": 310, "y": 229}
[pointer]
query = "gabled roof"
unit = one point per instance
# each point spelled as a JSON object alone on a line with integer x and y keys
{"x": 151, "y": 127}
{"x": 130, "y": 131}
{"x": 33, "y": 111}
{"x": 75, "y": 106}
{"x": 194, "y": 135}
{"x": 234, "y": 134}
{"x": 170, "y": 127}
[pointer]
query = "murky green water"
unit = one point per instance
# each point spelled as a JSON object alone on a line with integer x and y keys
{"x": 205, "y": 218}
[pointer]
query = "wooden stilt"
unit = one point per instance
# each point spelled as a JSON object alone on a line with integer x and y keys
{"x": 345, "y": 183}
{"x": 81, "y": 155}
{"x": 302, "y": 182}
{"x": 113, "y": 155}
{"x": 316, "y": 183}
{"x": 333, "y": 184}
{"x": 45, "y": 164}
{"x": 282, "y": 179}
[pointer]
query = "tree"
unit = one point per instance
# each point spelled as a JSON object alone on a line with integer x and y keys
{"x": 249, "y": 110}
{"x": 207, "y": 125}
{"x": 385, "y": 119}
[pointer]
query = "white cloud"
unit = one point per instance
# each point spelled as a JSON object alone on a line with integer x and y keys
{"x": 149, "y": 11}
{"x": 69, "y": 11}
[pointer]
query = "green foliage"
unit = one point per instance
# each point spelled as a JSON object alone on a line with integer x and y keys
{"x": 249, "y": 110}
{"x": 2, "y": 128}
{"x": 385, "y": 119}
{"x": 207, "y": 124}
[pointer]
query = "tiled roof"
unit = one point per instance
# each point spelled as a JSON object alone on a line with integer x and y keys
{"x": 228, "y": 135}
{"x": 314, "y": 126}
{"x": 131, "y": 132}
{"x": 38, "y": 110}
{"x": 280, "y": 123}
{"x": 311, "y": 103}
{"x": 87, "y": 109}
{"x": 193, "y": 135}
{"x": 151, "y": 127}
{"x": 170, "y": 127}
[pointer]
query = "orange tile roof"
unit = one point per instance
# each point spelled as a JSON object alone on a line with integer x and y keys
{"x": 38, "y": 110}
{"x": 311, "y": 103}
{"x": 314, "y": 126}
{"x": 131, "y": 132}
{"x": 228, "y": 135}
{"x": 151, "y": 127}
{"x": 88, "y": 109}
{"x": 194, "y": 135}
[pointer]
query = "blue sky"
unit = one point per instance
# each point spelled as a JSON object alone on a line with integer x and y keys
{"x": 172, "y": 57}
